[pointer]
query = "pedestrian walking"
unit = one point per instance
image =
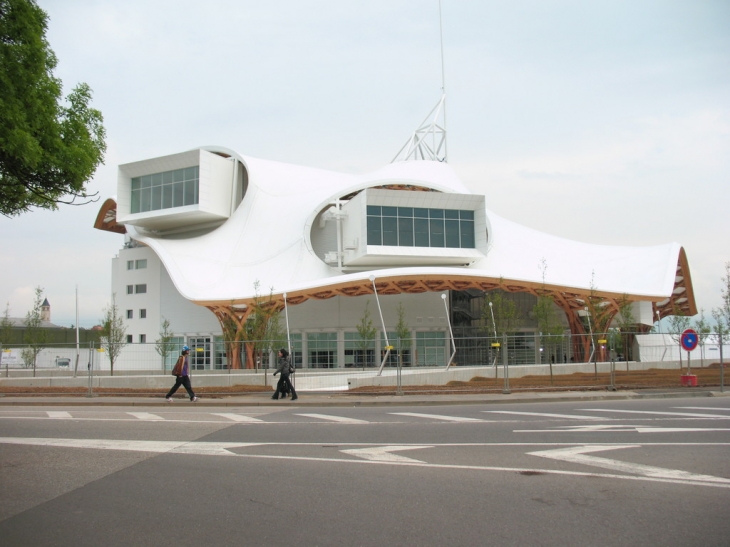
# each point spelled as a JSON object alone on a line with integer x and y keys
{"x": 284, "y": 368}
{"x": 181, "y": 372}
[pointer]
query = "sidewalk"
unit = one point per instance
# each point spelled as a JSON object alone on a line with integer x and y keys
{"x": 346, "y": 400}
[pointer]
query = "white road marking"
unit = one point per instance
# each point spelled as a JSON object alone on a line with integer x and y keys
{"x": 569, "y": 416}
{"x": 383, "y": 453}
{"x": 338, "y": 419}
{"x": 58, "y": 414}
{"x": 690, "y": 414}
{"x": 237, "y": 417}
{"x": 182, "y": 447}
{"x": 617, "y": 428}
{"x": 703, "y": 408}
{"x": 676, "y": 429}
{"x": 576, "y": 454}
{"x": 437, "y": 417}
{"x": 146, "y": 416}
{"x": 582, "y": 429}
{"x": 222, "y": 449}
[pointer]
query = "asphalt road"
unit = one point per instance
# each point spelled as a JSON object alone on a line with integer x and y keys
{"x": 652, "y": 472}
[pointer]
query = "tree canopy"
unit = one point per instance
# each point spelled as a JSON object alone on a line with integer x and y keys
{"x": 48, "y": 150}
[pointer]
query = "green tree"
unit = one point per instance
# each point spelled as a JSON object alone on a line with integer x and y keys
{"x": 367, "y": 332}
{"x": 6, "y": 333}
{"x": 35, "y": 335}
{"x": 48, "y": 151}
{"x": 113, "y": 332}
{"x": 262, "y": 329}
{"x": 403, "y": 332}
{"x": 6, "y": 327}
{"x": 626, "y": 323}
{"x": 703, "y": 329}
{"x": 164, "y": 345}
{"x": 722, "y": 314}
{"x": 549, "y": 325}
{"x": 500, "y": 317}
{"x": 676, "y": 325}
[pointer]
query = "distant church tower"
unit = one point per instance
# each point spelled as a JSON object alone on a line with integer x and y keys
{"x": 46, "y": 311}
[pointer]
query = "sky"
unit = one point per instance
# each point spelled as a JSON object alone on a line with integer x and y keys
{"x": 603, "y": 122}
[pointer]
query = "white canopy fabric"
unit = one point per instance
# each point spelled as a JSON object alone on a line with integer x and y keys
{"x": 267, "y": 240}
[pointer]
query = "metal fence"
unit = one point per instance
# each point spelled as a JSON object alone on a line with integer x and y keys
{"x": 523, "y": 361}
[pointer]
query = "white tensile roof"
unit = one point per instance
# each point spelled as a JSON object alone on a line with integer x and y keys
{"x": 266, "y": 240}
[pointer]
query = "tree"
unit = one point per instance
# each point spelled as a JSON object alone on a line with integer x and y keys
{"x": 500, "y": 317}
{"x": 6, "y": 326}
{"x": 403, "y": 332}
{"x": 48, "y": 151}
{"x": 597, "y": 318}
{"x": 722, "y": 314}
{"x": 549, "y": 326}
{"x": 113, "y": 332}
{"x": 367, "y": 333}
{"x": 626, "y": 321}
{"x": 35, "y": 335}
{"x": 677, "y": 324}
{"x": 164, "y": 345}
{"x": 262, "y": 328}
{"x": 702, "y": 327}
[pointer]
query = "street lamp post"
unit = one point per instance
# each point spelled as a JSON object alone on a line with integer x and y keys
{"x": 448, "y": 319}
{"x": 494, "y": 326}
{"x": 388, "y": 347}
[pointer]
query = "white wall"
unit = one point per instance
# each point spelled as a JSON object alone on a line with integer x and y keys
{"x": 150, "y": 301}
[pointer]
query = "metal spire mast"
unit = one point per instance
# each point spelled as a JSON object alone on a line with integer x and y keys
{"x": 428, "y": 142}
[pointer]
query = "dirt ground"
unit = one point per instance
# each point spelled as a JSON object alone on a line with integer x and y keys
{"x": 708, "y": 376}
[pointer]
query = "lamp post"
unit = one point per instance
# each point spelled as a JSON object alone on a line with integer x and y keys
{"x": 593, "y": 345}
{"x": 494, "y": 326}
{"x": 448, "y": 319}
{"x": 288, "y": 339}
{"x": 388, "y": 347}
{"x": 659, "y": 328}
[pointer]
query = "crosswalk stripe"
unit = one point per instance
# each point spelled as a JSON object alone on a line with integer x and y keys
{"x": 437, "y": 417}
{"x": 236, "y": 417}
{"x": 339, "y": 419}
{"x": 58, "y": 414}
{"x": 146, "y": 416}
{"x": 545, "y": 414}
{"x": 686, "y": 414}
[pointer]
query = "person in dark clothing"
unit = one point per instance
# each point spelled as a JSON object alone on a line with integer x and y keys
{"x": 284, "y": 368}
{"x": 181, "y": 373}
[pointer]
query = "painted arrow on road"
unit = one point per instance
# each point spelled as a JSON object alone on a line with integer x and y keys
{"x": 383, "y": 453}
{"x": 577, "y": 454}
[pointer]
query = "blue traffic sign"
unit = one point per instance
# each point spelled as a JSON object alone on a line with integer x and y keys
{"x": 689, "y": 339}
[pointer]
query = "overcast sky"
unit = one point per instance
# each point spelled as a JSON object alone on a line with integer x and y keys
{"x": 605, "y": 122}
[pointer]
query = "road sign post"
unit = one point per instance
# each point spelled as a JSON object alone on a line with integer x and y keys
{"x": 689, "y": 340}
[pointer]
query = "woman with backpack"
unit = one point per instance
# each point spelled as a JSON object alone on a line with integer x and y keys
{"x": 182, "y": 376}
{"x": 285, "y": 368}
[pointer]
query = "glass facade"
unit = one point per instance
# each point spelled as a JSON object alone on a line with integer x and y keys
{"x": 359, "y": 353}
{"x": 165, "y": 190}
{"x": 431, "y": 348}
{"x": 322, "y": 349}
{"x": 420, "y": 227}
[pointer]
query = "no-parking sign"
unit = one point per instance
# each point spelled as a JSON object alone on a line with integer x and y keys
{"x": 689, "y": 339}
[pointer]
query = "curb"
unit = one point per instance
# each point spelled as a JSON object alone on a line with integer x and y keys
{"x": 373, "y": 401}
